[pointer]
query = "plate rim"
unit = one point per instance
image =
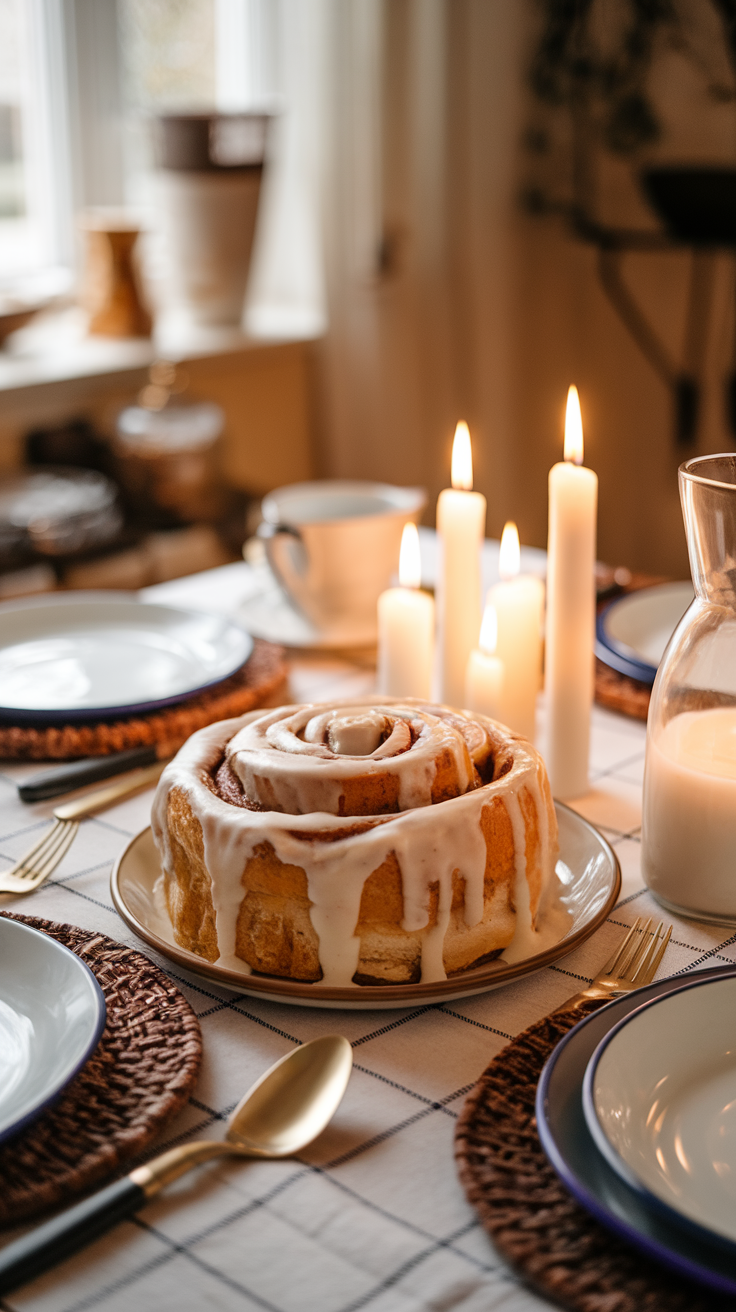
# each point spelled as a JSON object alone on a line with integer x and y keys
{"x": 667, "y": 1254}
{"x": 377, "y": 997}
{"x": 419, "y": 498}
{"x": 628, "y": 661}
{"x": 606, "y": 1148}
{"x": 59, "y": 601}
{"x": 57, "y": 1087}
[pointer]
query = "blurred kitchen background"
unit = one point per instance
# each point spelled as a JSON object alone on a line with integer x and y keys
{"x": 457, "y": 208}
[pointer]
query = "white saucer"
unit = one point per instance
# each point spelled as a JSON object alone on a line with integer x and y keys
{"x": 589, "y": 882}
{"x": 269, "y": 614}
{"x": 660, "y": 1102}
{"x": 52, "y": 1013}
{"x": 80, "y": 655}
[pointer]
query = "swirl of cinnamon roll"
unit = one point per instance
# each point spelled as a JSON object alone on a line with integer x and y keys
{"x": 375, "y": 841}
{"x": 353, "y": 760}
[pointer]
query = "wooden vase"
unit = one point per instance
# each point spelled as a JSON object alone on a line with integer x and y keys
{"x": 111, "y": 291}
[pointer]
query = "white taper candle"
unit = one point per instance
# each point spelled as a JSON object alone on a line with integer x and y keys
{"x": 406, "y": 628}
{"x": 573, "y": 500}
{"x": 461, "y": 519}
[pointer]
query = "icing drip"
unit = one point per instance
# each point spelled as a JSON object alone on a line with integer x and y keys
{"x": 433, "y": 966}
{"x": 429, "y": 842}
{"x": 527, "y": 938}
{"x": 225, "y": 856}
{"x": 475, "y": 880}
{"x": 524, "y": 927}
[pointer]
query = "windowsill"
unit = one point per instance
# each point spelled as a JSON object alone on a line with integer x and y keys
{"x": 55, "y": 348}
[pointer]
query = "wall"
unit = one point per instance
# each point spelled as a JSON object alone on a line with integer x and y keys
{"x": 447, "y": 301}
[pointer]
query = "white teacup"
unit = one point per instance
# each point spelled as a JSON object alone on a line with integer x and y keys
{"x": 334, "y": 546}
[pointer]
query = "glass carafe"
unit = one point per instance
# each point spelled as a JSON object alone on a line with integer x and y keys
{"x": 689, "y": 818}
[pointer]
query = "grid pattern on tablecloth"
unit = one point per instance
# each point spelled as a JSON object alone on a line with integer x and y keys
{"x": 372, "y": 1215}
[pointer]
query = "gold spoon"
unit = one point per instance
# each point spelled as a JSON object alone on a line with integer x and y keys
{"x": 284, "y": 1111}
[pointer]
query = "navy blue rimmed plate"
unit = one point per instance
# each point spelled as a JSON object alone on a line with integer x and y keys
{"x": 633, "y": 631}
{"x": 52, "y": 1014}
{"x": 79, "y": 656}
{"x": 658, "y": 1102}
{"x": 572, "y": 1152}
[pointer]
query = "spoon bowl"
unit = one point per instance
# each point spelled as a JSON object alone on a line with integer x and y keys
{"x": 293, "y": 1102}
{"x": 282, "y": 1112}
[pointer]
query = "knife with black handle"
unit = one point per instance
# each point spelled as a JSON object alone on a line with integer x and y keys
{"x": 75, "y": 774}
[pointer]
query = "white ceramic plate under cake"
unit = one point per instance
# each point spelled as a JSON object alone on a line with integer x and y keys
{"x": 636, "y": 628}
{"x": 82, "y": 655}
{"x": 52, "y": 1013}
{"x": 589, "y": 879}
{"x": 660, "y": 1102}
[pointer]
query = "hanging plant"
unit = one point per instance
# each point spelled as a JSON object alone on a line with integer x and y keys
{"x": 590, "y": 78}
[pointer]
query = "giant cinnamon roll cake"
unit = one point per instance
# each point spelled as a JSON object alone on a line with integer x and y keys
{"x": 380, "y": 843}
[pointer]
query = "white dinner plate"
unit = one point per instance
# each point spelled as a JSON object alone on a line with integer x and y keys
{"x": 52, "y": 1013}
{"x": 586, "y": 1173}
{"x": 589, "y": 880}
{"x": 660, "y": 1102}
{"x": 82, "y": 655}
{"x": 633, "y": 631}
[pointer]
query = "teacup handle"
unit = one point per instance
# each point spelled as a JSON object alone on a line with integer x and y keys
{"x": 268, "y": 533}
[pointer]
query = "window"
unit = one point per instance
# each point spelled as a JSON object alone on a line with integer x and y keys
{"x": 79, "y": 83}
{"x": 28, "y": 236}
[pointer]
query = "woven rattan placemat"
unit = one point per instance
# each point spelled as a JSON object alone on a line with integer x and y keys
{"x": 138, "y": 1077}
{"x": 551, "y": 1241}
{"x": 619, "y": 693}
{"x": 616, "y": 691}
{"x": 261, "y": 675}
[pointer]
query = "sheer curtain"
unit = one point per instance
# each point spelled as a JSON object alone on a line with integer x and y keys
{"x": 271, "y": 54}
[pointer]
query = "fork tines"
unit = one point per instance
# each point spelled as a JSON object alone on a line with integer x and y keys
{"x": 641, "y": 951}
{"x": 44, "y": 856}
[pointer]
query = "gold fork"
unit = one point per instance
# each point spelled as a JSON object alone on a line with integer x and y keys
{"x": 632, "y": 965}
{"x": 43, "y": 858}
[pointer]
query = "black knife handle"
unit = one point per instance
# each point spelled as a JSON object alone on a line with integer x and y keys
{"x": 65, "y": 778}
{"x": 65, "y": 1234}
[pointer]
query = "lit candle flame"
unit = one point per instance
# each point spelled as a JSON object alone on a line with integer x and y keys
{"x": 509, "y": 557}
{"x": 573, "y": 428}
{"x": 462, "y": 459}
{"x": 410, "y": 564}
{"x": 489, "y": 630}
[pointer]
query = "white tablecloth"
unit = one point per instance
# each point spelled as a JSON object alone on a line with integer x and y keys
{"x": 372, "y": 1215}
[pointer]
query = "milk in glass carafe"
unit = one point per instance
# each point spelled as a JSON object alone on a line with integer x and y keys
{"x": 689, "y": 819}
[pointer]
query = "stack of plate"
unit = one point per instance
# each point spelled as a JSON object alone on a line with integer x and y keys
{"x": 636, "y": 1110}
{"x": 632, "y": 632}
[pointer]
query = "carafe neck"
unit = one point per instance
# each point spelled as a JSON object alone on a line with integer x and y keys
{"x": 708, "y": 496}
